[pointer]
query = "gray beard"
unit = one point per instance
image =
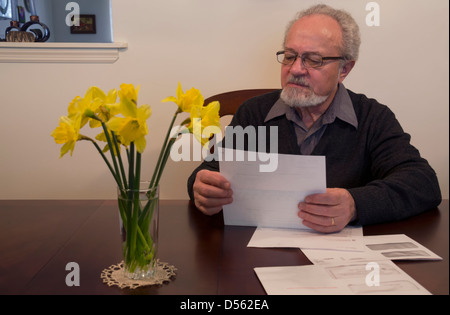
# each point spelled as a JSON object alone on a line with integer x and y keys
{"x": 293, "y": 98}
{"x": 296, "y": 98}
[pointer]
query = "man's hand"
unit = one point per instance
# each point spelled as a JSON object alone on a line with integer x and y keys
{"x": 328, "y": 212}
{"x": 211, "y": 192}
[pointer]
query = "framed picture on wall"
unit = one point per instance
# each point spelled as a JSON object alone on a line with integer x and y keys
{"x": 87, "y": 25}
{"x": 21, "y": 14}
{"x": 5, "y": 10}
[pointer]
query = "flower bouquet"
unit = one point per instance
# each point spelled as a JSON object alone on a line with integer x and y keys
{"x": 124, "y": 126}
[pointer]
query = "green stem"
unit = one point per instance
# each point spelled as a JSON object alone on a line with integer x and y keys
{"x": 164, "y": 161}
{"x": 131, "y": 167}
{"x": 119, "y": 157}
{"x": 136, "y": 209}
{"x": 106, "y": 161}
{"x": 108, "y": 139}
{"x": 163, "y": 149}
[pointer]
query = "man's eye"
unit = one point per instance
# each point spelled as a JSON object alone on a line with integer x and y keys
{"x": 289, "y": 57}
{"x": 313, "y": 61}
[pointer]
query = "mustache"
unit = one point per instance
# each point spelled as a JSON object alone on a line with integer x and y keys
{"x": 297, "y": 80}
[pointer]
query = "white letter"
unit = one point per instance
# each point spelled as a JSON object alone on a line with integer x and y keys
{"x": 184, "y": 145}
{"x": 73, "y": 18}
{"x": 73, "y": 277}
{"x": 373, "y": 278}
{"x": 207, "y": 149}
{"x": 373, "y": 18}
{"x": 273, "y": 155}
{"x": 196, "y": 145}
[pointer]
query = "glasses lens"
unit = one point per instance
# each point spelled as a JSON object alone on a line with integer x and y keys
{"x": 286, "y": 58}
{"x": 312, "y": 60}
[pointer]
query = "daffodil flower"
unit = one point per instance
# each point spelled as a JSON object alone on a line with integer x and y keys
{"x": 204, "y": 122}
{"x": 186, "y": 101}
{"x": 87, "y": 105}
{"x": 67, "y": 133}
{"x": 107, "y": 108}
{"x": 132, "y": 128}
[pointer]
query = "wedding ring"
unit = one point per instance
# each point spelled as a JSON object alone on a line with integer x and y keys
{"x": 332, "y": 221}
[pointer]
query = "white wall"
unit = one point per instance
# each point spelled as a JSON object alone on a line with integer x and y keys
{"x": 216, "y": 46}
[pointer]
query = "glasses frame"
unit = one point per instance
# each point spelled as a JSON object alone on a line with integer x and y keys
{"x": 303, "y": 57}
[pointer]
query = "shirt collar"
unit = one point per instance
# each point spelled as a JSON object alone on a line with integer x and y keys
{"x": 341, "y": 107}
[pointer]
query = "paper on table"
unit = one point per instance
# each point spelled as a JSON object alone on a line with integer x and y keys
{"x": 349, "y": 239}
{"x": 399, "y": 246}
{"x": 333, "y": 257}
{"x": 338, "y": 279}
{"x": 270, "y": 199}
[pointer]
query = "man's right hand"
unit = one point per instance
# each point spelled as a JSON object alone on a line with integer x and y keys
{"x": 211, "y": 192}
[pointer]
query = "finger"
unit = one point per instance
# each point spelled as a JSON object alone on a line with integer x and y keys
{"x": 324, "y": 221}
{"x": 323, "y": 229}
{"x": 332, "y": 197}
{"x": 322, "y": 199}
{"x": 213, "y": 179}
{"x": 209, "y": 191}
{"x": 318, "y": 210}
{"x": 211, "y": 206}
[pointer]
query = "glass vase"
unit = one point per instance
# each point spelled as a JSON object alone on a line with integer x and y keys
{"x": 139, "y": 212}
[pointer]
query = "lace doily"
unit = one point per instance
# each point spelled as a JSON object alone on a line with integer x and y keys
{"x": 114, "y": 275}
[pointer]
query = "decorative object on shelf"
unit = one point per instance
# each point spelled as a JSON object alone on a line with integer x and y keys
{"x": 124, "y": 127}
{"x": 87, "y": 25}
{"x": 5, "y": 10}
{"x": 28, "y": 32}
{"x": 40, "y": 35}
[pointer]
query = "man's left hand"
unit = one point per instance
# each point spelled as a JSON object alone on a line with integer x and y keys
{"x": 328, "y": 212}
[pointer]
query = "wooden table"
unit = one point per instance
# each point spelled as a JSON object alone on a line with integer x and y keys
{"x": 39, "y": 238}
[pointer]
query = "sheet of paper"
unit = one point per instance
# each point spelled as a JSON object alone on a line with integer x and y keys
{"x": 399, "y": 247}
{"x": 331, "y": 257}
{"x": 349, "y": 239}
{"x": 270, "y": 199}
{"x": 338, "y": 279}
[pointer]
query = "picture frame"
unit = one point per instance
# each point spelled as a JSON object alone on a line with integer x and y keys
{"x": 21, "y": 14}
{"x": 87, "y": 25}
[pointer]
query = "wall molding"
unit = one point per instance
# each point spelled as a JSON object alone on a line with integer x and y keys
{"x": 60, "y": 52}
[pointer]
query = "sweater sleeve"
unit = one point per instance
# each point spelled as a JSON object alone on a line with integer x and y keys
{"x": 404, "y": 183}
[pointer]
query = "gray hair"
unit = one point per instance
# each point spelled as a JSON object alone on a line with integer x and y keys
{"x": 351, "y": 39}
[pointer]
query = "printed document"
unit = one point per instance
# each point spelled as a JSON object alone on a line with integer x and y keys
{"x": 270, "y": 199}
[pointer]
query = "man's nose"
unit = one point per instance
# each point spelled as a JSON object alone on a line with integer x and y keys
{"x": 297, "y": 67}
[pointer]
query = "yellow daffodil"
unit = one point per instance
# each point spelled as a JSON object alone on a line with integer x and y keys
{"x": 204, "y": 121}
{"x": 107, "y": 108}
{"x": 186, "y": 101}
{"x": 87, "y": 105}
{"x": 128, "y": 99}
{"x": 67, "y": 133}
{"x": 132, "y": 128}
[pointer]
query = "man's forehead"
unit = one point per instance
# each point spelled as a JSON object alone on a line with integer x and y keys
{"x": 315, "y": 30}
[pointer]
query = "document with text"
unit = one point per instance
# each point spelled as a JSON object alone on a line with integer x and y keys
{"x": 270, "y": 198}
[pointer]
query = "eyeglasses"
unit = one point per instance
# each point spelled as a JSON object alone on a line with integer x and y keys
{"x": 309, "y": 59}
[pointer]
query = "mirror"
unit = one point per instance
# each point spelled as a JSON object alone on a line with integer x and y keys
{"x": 95, "y": 20}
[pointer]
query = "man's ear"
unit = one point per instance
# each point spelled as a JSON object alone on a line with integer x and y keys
{"x": 345, "y": 70}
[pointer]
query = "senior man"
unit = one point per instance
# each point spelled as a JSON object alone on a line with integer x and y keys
{"x": 374, "y": 174}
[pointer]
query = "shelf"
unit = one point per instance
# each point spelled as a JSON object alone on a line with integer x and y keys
{"x": 60, "y": 52}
